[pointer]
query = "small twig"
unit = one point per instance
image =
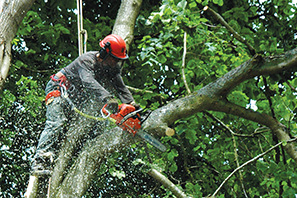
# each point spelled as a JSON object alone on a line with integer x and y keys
{"x": 208, "y": 25}
{"x": 157, "y": 186}
{"x": 291, "y": 87}
{"x": 167, "y": 183}
{"x": 137, "y": 90}
{"x": 230, "y": 130}
{"x": 237, "y": 164}
{"x": 232, "y": 31}
{"x": 261, "y": 130}
{"x": 248, "y": 162}
{"x": 184, "y": 63}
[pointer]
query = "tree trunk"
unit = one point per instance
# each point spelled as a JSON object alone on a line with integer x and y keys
{"x": 78, "y": 177}
{"x": 12, "y": 13}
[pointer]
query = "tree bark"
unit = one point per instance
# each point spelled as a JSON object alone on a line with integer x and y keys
{"x": 12, "y": 13}
{"x": 126, "y": 18}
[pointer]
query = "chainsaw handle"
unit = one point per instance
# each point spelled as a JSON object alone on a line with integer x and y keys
{"x": 104, "y": 112}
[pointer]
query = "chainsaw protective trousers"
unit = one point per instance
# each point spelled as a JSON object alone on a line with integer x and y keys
{"x": 55, "y": 120}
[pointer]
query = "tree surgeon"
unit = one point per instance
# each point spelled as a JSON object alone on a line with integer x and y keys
{"x": 96, "y": 73}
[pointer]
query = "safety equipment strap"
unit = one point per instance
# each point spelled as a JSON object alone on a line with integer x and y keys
{"x": 62, "y": 80}
{"x": 55, "y": 93}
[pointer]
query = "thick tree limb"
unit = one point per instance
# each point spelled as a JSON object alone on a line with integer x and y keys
{"x": 277, "y": 128}
{"x": 202, "y": 99}
{"x": 211, "y": 97}
{"x": 125, "y": 23}
{"x": 11, "y": 15}
{"x": 68, "y": 149}
{"x": 256, "y": 66}
{"x": 93, "y": 153}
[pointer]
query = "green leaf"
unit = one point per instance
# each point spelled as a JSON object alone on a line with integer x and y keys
{"x": 162, "y": 59}
{"x": 221, "y": 2}
{"x": 193, "y": 4}
{"x": 172, "y": 154}
{"x": 191, "y": 136}
{"x": 173, "y": 168}
{"x": 182, "y": 4}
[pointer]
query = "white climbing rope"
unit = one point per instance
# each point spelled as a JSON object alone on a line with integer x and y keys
{"x": 82, "y": 33}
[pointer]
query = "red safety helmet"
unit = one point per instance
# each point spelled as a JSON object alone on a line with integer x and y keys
{"x": 115, "y": 46}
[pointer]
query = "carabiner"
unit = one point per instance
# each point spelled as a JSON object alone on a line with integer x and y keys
{"x": 64, "y": 91}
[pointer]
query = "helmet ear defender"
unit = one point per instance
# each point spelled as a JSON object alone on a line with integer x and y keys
{"x": 103, "y": 51}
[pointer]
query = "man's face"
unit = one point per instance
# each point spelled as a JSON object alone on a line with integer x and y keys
{"x": 112, "y": 62}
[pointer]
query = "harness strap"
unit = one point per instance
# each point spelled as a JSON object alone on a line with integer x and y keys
{"x": 55, "y": 93}
{"x": 62, "y": 80}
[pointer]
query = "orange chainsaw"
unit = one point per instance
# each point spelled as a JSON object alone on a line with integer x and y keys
{"x": 129, "y": 119}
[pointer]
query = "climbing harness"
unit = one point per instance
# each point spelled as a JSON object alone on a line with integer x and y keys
{"x": 82, "y": 33}
{"x": 61, "y": 90}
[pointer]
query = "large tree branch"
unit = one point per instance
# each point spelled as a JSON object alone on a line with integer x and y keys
{"x": 77, "y": 132}
{"x": 210, "y": 97}
{"x": 256, "y": 66}
{"x": 277, "y": 128}
{"x": 125, "y": 23}
{"x": 89, "y": 160}
{"x": 11, "y": 15}
{"x": 202, "y": 98}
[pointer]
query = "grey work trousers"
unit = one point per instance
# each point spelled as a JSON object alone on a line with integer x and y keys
{"x": 55, "y": 120}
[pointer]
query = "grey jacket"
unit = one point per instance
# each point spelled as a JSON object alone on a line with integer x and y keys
{"x": 86, "y": 74}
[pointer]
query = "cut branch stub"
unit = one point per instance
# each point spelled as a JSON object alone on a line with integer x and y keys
{"x": 170, "y": 132}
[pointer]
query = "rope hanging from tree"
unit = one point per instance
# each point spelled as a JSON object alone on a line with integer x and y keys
{"x": 82, "y": 33}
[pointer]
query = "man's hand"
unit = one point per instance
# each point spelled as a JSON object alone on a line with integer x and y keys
{"x": 112, "y": 106}
{"x": 137, "y": 106}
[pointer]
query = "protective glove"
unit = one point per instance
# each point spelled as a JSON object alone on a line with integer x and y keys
{"x": 112, "y": 106}
{"x": 137, "y": 106}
